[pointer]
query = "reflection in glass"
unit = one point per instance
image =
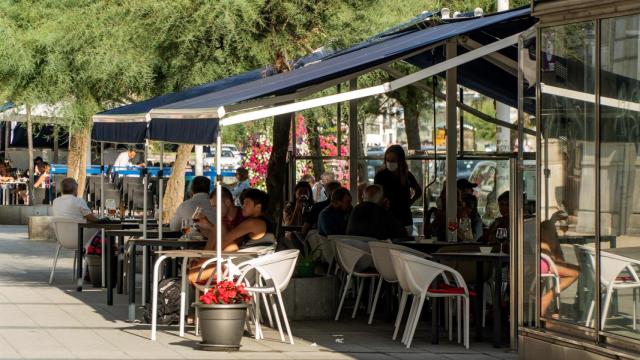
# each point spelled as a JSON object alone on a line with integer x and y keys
{"x": 567, "y": 232}
{"x": 620, "y": 174}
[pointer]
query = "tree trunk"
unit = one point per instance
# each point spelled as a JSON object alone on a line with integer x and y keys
{"x": 276, "y": 169}
{"x": 411, "y": 117}
{"x": 316, "y": 150}
{"x": 77, "y": 158}
{"x": 174, "y": 195}
{"x": 32, "y": 178}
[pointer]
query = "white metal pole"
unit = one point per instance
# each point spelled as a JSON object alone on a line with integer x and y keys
{"x": 160, "y": 190}
{"x": 102, "y": 178}
{"x": 218, "y": 205}
{"x": 199, "y": 160}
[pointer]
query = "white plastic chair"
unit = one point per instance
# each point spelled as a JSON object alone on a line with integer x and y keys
{"x": 382, "y": 261}
{"x": 353, "y": 260}
{"x": 552, "y": 276}
{"x": 231, "y": 269}
{"x": 415, "y": 275}
{"x": 275, "y": 270}
{"x": 612, "y": 269}
{"x": 66, "y": 231}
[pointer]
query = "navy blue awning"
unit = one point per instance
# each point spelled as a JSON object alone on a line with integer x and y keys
{"x": 125, "y": 132}
{"x": 184, "y": 131}
{"x": 349, "y": 63}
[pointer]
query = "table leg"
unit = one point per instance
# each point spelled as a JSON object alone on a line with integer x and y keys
{"x": 79, "y": 264}
{"x": 479, "y": 297}
{"x": 497, "y": 304}
{"x": 435, "y": 318}
{"x": 120, "y": 263}
{"x": 109, "y": 258}
{"x": 183, "y": 294}
{"x": 131, "y": 279}
{"x": 147, "y": 277}
{"x": 154, "y": 296}
{"x": 103, "y": 258}
{"x": 144, "y": 274}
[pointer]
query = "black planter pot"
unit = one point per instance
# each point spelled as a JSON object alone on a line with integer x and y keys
{"x": 221, "y": 326}
{"x": 94, "y": 263}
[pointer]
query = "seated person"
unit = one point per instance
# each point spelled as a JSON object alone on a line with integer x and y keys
{"x": 370, "y": 218}
{"x": 242, "y": 175}
{"x": 69, "y": 205}
{"x": 492, "y": 235}
{"x": 294, "y": 213}
{"x": 199, "y": 198}
{"x": 311, "y": 219}
{"x": 231, "y": 214}
{"x": 333, "y": 220}
{"x": 469, "y": 217}
{"x": 255, "y": 230}
{"x": 5, "y": 174}
{"x": 550, "y": 245}
{"x": 43, "y": 176}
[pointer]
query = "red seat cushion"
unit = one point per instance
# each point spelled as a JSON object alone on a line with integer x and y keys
{"x": 449, "y": 289}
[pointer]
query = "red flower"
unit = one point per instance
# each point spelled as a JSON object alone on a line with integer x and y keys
{"x": 225, "y": 292}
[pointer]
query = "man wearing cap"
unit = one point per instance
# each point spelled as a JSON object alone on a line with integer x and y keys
{"x": 465, "y": 187}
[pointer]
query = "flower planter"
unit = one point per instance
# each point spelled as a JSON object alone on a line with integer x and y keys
{"x": 305, "y": 268}
{"x": 94, "y": 263}
{"x": 221, "y": 325}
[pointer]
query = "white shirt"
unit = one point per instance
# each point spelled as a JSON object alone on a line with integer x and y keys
{"x": 70, "y": 207}
{"x": 122, "y": 159}
{"x": 188, "y": 207}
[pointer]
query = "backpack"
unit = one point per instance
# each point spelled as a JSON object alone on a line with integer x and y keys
{"x": 168, "y": 302}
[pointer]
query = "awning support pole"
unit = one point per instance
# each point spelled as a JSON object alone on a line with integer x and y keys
{"x": 451, "y": 144}
{"x": 160, "y": 190}
{"x": 353, "y": 143}
{"x": 101, "y": 178}
{"x": 218, "y": 205}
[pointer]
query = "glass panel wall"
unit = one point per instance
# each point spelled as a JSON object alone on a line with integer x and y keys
{"x": 620, "y": 174}
{"x": 567, "y": 158}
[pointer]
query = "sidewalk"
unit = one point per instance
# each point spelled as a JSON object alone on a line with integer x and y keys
{"x": 38, "y": 321}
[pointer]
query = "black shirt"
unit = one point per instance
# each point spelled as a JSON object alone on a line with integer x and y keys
{"x": 399, "y": 195}
{"x": 312, "y": 216}
{"x": 372, "y": 220}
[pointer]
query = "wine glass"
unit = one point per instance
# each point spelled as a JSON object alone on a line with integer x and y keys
{"x": 185, "y": 227}
{"x": 501, "y": 236}
{"x": 110, "y": 204}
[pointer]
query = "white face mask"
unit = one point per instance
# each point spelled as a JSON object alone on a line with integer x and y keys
{"x": 392, "y": 166}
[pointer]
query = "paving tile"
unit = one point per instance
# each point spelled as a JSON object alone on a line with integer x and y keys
{"x": 7, "y": 351}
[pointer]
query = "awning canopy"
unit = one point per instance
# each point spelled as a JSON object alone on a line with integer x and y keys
{"x": 128, "y": 123}
{"x": 348, "y": 65}
{"x": 192, "y": 116}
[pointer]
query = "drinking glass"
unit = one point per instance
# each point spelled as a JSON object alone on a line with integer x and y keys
{"x": 185, "y": 227}
{"x": 110, "y": 204}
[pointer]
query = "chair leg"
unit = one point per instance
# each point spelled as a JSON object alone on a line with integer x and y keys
{"x": 344, "y": 295}
{"x": 450, "y": 318}
{"x": 590, "y": 314}
{"x": 75, "y": 261}
{"x": 284, "y": 316}
{"x": 403, "y": 302}
{"x": 55, "y": 261}
{"x": 466, "y": 322}
{"x": 375, "y": 301}
{"x": 635, "y": 304}
{"x": 416, "y": 316}
{"x": 410, "y": 319}
{"x": 274, "y": 308}
{"x": 607, "y": 302}
{"x": 459, "y": 317}
{"x": 360, "y": 288}
{"x": 372, "y": 286}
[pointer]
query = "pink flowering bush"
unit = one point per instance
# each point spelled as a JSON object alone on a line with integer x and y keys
{"x": 257, "y": 160}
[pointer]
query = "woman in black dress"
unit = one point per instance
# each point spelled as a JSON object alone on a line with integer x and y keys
{"x": 400, "y": 186}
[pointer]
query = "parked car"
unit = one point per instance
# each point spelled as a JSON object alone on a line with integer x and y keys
{"x": 228, "y": 159}
{"x": 233, "y": 149}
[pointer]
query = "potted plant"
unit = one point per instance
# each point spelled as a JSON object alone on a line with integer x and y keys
{"x": 94, "y": 261}
{"x": 222, "y": 312}
{"x": 307, "y": 261}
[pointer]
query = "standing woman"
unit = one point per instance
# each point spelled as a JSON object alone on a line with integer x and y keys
{"x": 400, "y": 186}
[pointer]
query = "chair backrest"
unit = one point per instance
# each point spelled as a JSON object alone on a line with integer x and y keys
{"x": 138, "y": 200}
{"x": 420, "y": 273}
{"x": 352, "y": 237}
{"x": 277, "y": 267}
{"x": 382, "y": 258}
{"x": 611, "y": 265}
{"x": 350, "y": 253}
{"x": 66, "y": 231}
